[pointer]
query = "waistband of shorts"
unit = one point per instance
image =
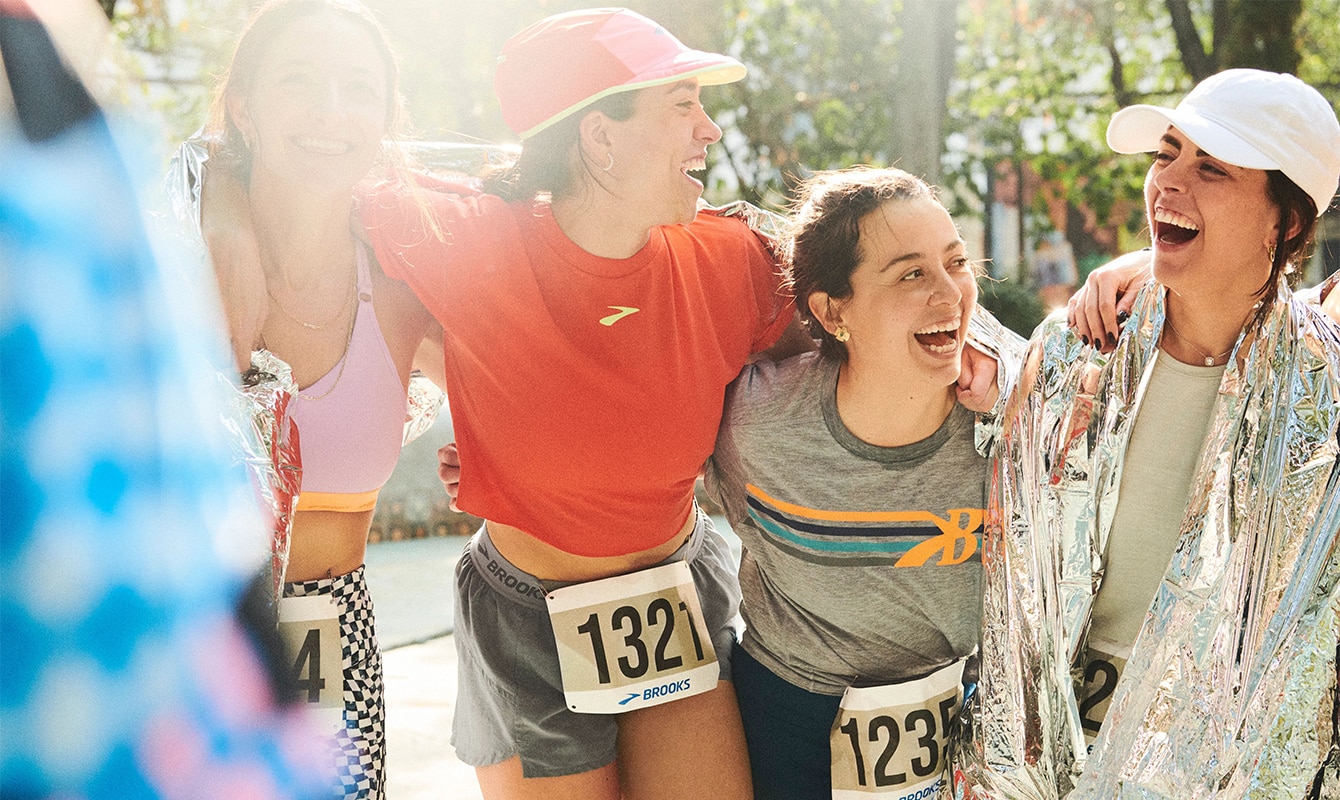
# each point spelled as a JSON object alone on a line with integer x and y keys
{"x": 516, "y": 584}
{"x": 338, "y": 585}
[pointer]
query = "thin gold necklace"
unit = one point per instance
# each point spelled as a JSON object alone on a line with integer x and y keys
{"x": 1209, "y": 359}
{"x": 312, "y": 326}
{"x": 344, "y": 359}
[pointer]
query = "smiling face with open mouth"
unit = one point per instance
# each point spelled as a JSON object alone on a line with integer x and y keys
{"x": 913, "y": 292}
{"x": 657, "y": 150}
{"x": 318, "y": 108}
{"x": 1211, "y": 221}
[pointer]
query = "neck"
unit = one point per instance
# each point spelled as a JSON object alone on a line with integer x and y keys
{"x": 596, "y": 223}
{"x": 1196, "y": 331}
{"x": 890, "y": 413}
{"x": 301, "y": 235}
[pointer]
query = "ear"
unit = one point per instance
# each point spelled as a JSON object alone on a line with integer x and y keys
{"x": 1295, "y": 225}
{"x": 237, "y": 114}
{"x": 596, "y": 132}
{"x": 826, "y": 310}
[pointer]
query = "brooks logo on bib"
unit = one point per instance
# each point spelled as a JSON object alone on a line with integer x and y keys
{"x": 632, "y": 641}
{"x": 889, "y": 741}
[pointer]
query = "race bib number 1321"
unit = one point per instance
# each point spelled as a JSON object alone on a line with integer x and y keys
{"x": 632, "y": 641}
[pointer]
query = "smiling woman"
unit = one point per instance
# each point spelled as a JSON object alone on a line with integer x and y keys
{"x": 852, "y": 478}
{"x": 593, "y": 318}
{"x": 1175, "y": 503}
{"x": 300, "y": 119}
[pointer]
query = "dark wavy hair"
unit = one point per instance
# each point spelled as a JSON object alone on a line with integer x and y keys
{"x": 551, "y": 160}
{"x": 822, "y": 246}
{"x": 1296, "y": 208}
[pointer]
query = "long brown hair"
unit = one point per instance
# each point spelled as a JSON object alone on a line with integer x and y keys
{"x": 1297, "y": 212}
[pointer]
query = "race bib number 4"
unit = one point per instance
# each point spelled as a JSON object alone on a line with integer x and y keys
{"x": 310, "y": 628}
{"x": 632, "y": 641}
{"x": 890, "y": 741}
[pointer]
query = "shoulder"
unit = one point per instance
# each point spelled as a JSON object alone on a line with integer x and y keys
{"x": 713, "y": 230}
{"x": 768, "y": 391}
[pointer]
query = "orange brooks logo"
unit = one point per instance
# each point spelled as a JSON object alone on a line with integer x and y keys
{"x": 955, "y": 542}
{"x": 621, "y": 312}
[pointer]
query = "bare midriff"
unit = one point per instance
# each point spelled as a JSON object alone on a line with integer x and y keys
{"x": 547, "y": 562}
{"x": 325, "y": 544}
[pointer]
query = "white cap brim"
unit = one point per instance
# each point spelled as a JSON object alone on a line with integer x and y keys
{"x": 1140, "y": 128}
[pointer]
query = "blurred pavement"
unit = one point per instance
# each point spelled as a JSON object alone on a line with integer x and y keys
{"x": 411, "y": 584}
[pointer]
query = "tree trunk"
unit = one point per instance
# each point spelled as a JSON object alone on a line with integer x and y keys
{"x": 921, "y": 86}
{"x": 1258, "y": 34}
{"x": 1199, "y": 64}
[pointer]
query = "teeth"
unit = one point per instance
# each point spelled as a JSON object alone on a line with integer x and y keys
{"x": 1173, "y": 218}
{"x": 330, "y": 147}
{"x": 695, "y": 164}
{"x": 948, "y": 325}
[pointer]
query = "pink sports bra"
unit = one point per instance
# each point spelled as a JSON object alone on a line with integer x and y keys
{"x": 351, "y": 422}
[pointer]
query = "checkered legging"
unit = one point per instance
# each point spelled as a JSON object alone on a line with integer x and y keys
{"x": 359, "y": 750}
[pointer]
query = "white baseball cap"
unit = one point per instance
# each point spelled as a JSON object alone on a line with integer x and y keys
{"x": 1249, "y": 118}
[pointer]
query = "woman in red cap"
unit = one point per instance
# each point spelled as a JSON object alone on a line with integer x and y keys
{"x": 593, "y": 319}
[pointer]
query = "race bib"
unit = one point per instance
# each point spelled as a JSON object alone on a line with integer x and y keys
{"x": 1106, "y": 662}
{"x": 632, "y": 641}
{"x": 890, "y": 740}
{"x": 310, "y": 628}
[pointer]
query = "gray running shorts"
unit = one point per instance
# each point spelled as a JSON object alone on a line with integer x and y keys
{"x": 509, "y": 697}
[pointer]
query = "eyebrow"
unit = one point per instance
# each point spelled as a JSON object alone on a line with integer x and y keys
{"x": 957, "y": 244}
{"x": 1173, "y": 141}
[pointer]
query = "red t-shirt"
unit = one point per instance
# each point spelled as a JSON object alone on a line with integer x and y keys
{"x": 585, "y": 391}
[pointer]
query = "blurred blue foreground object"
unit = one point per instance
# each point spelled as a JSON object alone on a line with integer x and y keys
{"x": 127, "y": 669}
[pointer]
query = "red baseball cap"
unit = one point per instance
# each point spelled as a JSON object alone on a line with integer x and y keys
{"x": 565, "y": 62}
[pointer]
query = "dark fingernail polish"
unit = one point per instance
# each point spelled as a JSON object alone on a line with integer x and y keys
{"x": 1112, "y": 340}
{"x": 1122, "y": 316}
{"x": 1086, "y": 340}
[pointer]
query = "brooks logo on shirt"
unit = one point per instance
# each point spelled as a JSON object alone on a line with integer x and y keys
{"x": 620, "y": 313}
{"x": 900, "y": 538}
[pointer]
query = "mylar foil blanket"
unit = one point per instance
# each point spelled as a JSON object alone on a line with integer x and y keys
{"x": 1229, "y": 689}
{"x": 265, "y": 439}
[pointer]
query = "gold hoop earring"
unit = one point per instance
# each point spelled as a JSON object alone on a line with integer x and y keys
{"x": 1270, "y": 253}
{"x": 842, "y": 334}
{"x": 610, "y": 165}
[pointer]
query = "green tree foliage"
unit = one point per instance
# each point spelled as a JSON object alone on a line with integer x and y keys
{"x": 834, "y": 83}
{"x": 1039, "y": 79}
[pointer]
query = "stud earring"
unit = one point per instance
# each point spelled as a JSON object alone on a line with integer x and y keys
{"x": 842, "y": 334}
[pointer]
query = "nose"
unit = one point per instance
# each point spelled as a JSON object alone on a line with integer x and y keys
{"x": 706, "y": 130}
{"x": 946, "y": 290}
{"x": 329, "y": 99}
{"x": 1171, "y": 176}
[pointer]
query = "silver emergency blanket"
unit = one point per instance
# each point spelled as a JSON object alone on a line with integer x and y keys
{"x": 1229, "y": 689}
{"x": 265, "y": 439}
